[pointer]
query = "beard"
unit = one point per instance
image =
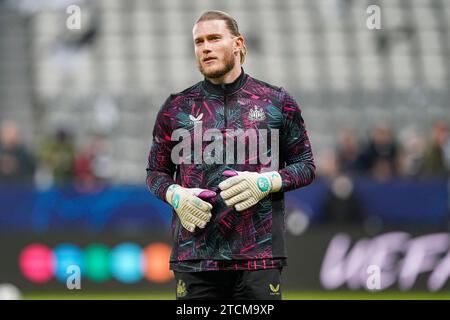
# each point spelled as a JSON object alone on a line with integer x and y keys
{"x": 214, "y": 73}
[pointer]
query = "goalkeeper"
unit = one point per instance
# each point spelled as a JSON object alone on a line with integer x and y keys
{"x": 228, "y": 221}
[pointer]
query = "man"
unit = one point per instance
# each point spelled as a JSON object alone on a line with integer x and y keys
{"x": 17, "y": 165}
{"x": 228, "y": 219}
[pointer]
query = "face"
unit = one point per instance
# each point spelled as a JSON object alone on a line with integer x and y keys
{"x": 216, "y": 48}
{"x": 9, "y": 134}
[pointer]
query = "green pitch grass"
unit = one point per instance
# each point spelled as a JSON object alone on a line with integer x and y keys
{"x": 289, "y": 295}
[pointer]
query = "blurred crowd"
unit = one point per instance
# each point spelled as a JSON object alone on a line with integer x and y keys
{"x": 57, "y": 160}
{"x": 383, "y": 156}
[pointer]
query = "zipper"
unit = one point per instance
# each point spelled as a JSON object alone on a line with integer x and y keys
{"x": 225, "y": 105}
{"x": 225, "y": 111}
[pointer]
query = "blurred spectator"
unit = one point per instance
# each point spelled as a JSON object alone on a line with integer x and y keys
{"x": 411, "y": 156}
{"x": 84, "y": 174}
{"x": 16, "y": 162}
{"x": 93, "y": 164}
{"x": 341, "y": 205}
{"x": 435, "y": 163}
{"x": 327, "y": 164}
{"x": 380, "y": 155}
{"x": 348, "y": 152}
{"x": 57, "y": 155}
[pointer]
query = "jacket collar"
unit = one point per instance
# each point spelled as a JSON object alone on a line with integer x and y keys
{"x": 226, "y": 88}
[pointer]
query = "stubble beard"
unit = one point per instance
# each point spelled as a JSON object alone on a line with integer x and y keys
{"x": 229, "y": 64}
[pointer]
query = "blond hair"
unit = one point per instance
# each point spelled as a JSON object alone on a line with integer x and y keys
{"x": 230, "y": 22}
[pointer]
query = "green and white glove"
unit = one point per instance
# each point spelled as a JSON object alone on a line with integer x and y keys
{"x": 189, "y": 206}
{"x": 244, "y": 189}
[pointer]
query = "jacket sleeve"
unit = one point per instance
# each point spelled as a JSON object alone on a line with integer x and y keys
{"x": 160, "y": 168}
{"x": 295, "y": 148}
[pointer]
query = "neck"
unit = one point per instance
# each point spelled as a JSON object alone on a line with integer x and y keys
{"x": 229, "y": 77}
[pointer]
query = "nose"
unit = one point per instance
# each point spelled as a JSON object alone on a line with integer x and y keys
{"x": 206, "y": 48}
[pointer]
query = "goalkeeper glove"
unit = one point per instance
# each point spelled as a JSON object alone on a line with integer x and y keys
{"x": 244, "y": 189}
{"x": 189, "y": 206}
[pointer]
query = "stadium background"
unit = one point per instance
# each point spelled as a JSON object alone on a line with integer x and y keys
{"x": 78, "y": 107}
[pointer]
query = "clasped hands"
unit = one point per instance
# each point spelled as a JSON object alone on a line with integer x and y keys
{"x": 240, "y": 189}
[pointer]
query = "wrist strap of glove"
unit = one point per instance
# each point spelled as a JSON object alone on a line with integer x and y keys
{"x": 275, "y": 179}
{"x": 170, "y": 191}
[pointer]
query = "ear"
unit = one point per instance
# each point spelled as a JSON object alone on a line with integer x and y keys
{"x": 238, "y": 43}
